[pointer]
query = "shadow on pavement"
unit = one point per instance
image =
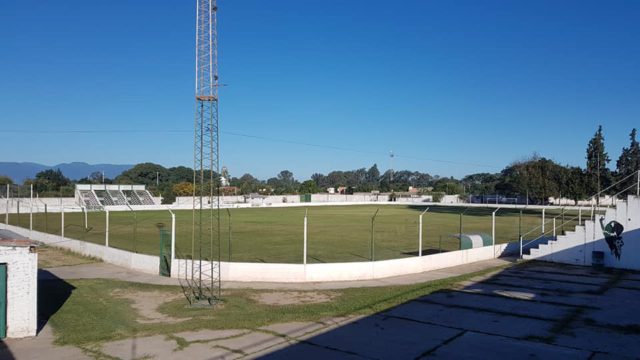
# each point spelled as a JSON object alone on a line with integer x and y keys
{"x": 528, "y": 310}
{"x": 53, "y": 292}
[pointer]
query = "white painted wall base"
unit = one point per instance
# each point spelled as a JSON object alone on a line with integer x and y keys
{"x": 261, "y": 272}
{"x": 22, "y": 290}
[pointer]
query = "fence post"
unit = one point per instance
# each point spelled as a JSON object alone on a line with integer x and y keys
{"x": 373, "y": 221}
{"x": 493, "y": 231}
{"x": 304, "y": 248}
{"x": 520, "y": 247}
{"x": 520, "y": 225}
{"x": 420, "y": 232}
{"x": 106, "y": 229}
{"x": 229, "y": 238}
{"x": 6, "y": 215}
{"x": 173, "y": 237}
{"x": 62, "y": 221}
{"x": 30, "y": 210}
{"x": 579, "y": 216}
{"x": 543, "y": 220}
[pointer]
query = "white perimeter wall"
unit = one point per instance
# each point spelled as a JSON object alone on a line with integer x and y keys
{"x": 262, "y": 272}
{"x": 22, "y": 290}
{"x": 257, "y": 272}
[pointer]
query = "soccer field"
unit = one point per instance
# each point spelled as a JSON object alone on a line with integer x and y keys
{"x": 275, "y": 235}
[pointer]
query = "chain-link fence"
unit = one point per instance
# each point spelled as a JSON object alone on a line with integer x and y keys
{"x": 277, "y": 235}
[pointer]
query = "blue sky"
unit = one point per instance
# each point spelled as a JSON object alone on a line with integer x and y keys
{"x": 472, "y": 84}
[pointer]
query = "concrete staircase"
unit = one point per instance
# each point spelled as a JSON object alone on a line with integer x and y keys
{"x": 575, "y": 247}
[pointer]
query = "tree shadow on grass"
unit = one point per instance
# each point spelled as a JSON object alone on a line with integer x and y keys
{"x": 53, "y": 292}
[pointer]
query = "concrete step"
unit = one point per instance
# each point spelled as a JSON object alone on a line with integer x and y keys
{"x": 533, "y": 253}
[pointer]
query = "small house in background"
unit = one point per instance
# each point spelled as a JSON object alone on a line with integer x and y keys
{"x": 18, "y": 288}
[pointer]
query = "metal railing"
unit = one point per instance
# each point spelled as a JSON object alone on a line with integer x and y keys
{"x": 597, "y": 195}
{"x": 542, "y": 227}
{"x": 552, "y": 231}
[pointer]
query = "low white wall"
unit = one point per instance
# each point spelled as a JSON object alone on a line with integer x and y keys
{"x": 22, "y": 290}
{"x": 266, "y": 272}
{"x": 140, "y": 262}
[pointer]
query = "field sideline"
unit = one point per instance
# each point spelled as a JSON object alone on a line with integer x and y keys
{"x": 335, "y": 233}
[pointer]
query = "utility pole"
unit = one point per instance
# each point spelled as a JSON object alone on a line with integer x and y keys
{"x": 598, "y": 172}
{"x": 391, "y": 167}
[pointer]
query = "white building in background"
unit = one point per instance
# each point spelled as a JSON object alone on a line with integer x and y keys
{"x": 18, "y": 288}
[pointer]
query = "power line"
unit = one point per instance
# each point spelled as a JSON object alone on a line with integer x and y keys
{"x": 250, "y": 136}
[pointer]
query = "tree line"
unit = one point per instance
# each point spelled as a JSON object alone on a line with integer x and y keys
{"x": 536, "y": 177}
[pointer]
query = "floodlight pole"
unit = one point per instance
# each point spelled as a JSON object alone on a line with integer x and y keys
{"x": 420, "y": 232}
{"x": 304, "y": 251}
{"x": 554, "y": 228}
{"x": 543, "y": 220}
{"x": 638, "y": 185}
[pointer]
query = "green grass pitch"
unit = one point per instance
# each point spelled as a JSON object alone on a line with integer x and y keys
{"x": 335, "y": 233}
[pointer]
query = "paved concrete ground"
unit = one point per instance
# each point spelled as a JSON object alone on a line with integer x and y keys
{"x": 536, "y": 310}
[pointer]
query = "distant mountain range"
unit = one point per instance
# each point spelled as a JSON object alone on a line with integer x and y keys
{"x": 74, "y": 171}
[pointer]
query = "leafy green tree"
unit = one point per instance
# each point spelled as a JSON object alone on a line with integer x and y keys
{"x": 145, "y": 174}
{"x": 180, "y": 174}
{"x": 247, "y": 183}
{"x": 50, "y": 181}
{"x": 628, "y": 164}
{"x": 183, "y": 189}
{"x": 598, "y": 175}
{"x": 309, "y": 187}
{"x": 284, "y": 183}
{"x": 5, "y": 180}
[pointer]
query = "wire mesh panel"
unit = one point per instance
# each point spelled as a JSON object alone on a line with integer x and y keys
{"x": 441, "y": 225}
{"x": 264, "y": 235}
{"x": 123, "y": 230}
{"x": 339, "y": 233}
{"x": 396, "y": 232}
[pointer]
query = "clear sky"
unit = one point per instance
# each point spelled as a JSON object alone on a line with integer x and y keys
{"x": 472, "y": 84}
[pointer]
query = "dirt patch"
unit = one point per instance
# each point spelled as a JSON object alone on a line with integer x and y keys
{"x": 49, "y": 257}
{"x": 294, "y": 297}
{"x": 146, "y": 303}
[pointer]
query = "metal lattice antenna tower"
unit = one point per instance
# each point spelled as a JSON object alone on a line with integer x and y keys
{"x": 205, "y": 244}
